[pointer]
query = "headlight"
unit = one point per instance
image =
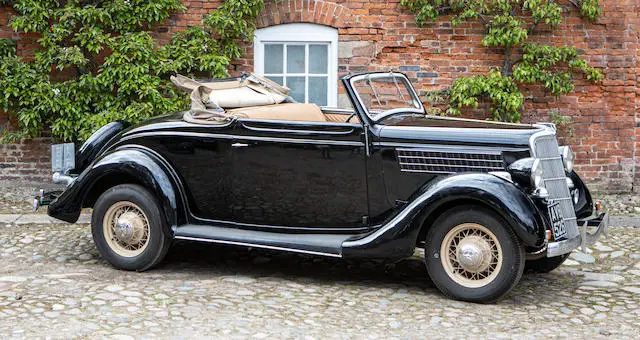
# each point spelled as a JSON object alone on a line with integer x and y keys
{"x": 536, "y": 173}
{"x": 568, "y": 157}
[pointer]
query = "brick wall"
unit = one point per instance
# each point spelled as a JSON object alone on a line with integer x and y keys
{"x": 27, "y": 160}
{"x": 381, "y": 35}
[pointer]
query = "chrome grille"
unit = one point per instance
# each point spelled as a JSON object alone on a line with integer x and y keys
{"x": 444, "y": 162}
{"x": 545, "y": 148}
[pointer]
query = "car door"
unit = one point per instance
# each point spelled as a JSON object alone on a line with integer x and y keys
{"x": 299, "y": 175}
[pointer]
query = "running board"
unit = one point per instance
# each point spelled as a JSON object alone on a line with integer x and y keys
{"x": 314, "y": 244}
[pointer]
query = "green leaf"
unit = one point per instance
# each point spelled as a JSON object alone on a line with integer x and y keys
{"x": 508, "y": 26}
{"x": 116, "y": 69}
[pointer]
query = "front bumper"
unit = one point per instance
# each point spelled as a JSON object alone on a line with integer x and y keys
{"x": 42, "y": 197}
{"x": 600, "y": 222}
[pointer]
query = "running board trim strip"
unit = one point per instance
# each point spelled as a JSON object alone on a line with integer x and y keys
{"x": 264, "y": 246}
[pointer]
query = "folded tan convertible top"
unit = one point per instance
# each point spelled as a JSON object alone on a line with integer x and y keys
{"x": 210, "y": 100}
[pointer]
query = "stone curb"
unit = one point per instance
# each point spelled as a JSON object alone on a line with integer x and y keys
{"x": 39, "y": 219}
{"x": 625, "y": 221}
{"x": 616, "y": 221}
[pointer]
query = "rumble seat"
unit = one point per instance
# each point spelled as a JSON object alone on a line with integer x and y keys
{"x": 289, "y": 111}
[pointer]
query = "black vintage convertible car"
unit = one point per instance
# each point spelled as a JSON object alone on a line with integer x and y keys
{"x": 247, "y": 166}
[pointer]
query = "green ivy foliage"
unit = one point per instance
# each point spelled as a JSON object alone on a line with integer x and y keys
{"x": 588, "y": 8}
{"x": 466, "y": 91}
{"x": 509, "y": 24}
{"x": 539, "y": 65}
{"x": 7, "y": 48}
{"x": 114, "y": 67}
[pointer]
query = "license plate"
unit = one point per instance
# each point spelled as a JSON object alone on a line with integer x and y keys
{"x": 63, "y": 157}
{"x": 558, "y": 226}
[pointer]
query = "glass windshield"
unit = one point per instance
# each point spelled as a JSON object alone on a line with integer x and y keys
{"x": 383, "y": 93}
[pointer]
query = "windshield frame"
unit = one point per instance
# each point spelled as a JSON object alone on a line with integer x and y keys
{"x": 398, "y": 77}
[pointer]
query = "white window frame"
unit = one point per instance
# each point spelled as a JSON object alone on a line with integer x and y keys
{"x": 301, "y": 33}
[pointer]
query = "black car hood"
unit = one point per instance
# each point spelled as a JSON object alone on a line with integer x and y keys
{"x": 440, "y": 130}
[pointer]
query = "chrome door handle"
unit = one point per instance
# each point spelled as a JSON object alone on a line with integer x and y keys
{"x": 239, "y": 145}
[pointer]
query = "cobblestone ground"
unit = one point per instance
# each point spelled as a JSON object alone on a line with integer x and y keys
{"x": 10, "y": 207}
{"x": 53, "y": 284}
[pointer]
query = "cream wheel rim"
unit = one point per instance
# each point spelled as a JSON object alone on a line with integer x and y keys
{"x": 471, "y": 255}
{"x": 126, "y": 229}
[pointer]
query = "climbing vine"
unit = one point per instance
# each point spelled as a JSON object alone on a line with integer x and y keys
{"x": 111, "y": 65}
{"x": 509, "y": 24}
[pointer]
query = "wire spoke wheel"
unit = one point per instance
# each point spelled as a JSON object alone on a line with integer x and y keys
{"x": 471, "y": 255}
{"x": 126, "y": 229}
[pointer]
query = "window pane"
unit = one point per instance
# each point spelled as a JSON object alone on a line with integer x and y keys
{"x": 297, "y": 86}
{"x": 318, "y": 90}
{"x": 318, "y": 59}
{"x": 273, "y": 58}
{"x": 278, "y": 80}
{"x": 295, "y": 59}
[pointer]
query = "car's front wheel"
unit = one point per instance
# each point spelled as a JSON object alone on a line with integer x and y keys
{"x": 128, "y": 228}
{"x": 472, "y": 254}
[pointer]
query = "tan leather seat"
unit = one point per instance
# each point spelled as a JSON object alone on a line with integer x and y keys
{"x": 338, "y": 118}
{"x": 288, "y": 111}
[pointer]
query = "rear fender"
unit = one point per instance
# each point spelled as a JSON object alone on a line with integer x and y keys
{"x": 94, "y": 145}
{"x": 397, "y": 238}
{"x": 143, "y": 165}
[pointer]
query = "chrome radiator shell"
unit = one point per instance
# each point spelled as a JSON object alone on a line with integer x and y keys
{"x": 544, "y": 146}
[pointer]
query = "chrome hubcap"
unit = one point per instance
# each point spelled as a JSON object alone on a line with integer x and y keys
{"x": 127, "y": 225}
{"x": 123, "y": 230}
{"x": 474, "y": 253}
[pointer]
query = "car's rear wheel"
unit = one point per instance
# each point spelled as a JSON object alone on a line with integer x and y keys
{"x": 545, "y": 264}
{"x": 128, "y": 228}
{"x": 472, "y": 254}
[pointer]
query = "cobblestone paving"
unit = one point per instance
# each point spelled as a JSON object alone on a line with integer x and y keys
{"x": 53, "y": 283}
{"x": 12, "y": 207}
{"x": 622, "y": 204}
{"x": 24, "y": 207}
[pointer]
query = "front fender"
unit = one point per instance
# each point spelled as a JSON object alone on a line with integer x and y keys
{"x": 584, "y": 206}
{"x": 397, "y": 237}
{"x": 128, "y": 162}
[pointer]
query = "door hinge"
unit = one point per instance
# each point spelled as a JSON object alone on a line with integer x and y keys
{"x": 366, "y": 140}
{"x": 365, "y": 220}
{"x": 400, "y": 203}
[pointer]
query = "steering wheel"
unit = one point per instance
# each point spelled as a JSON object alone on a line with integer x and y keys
{"x": 350, "y": 116}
